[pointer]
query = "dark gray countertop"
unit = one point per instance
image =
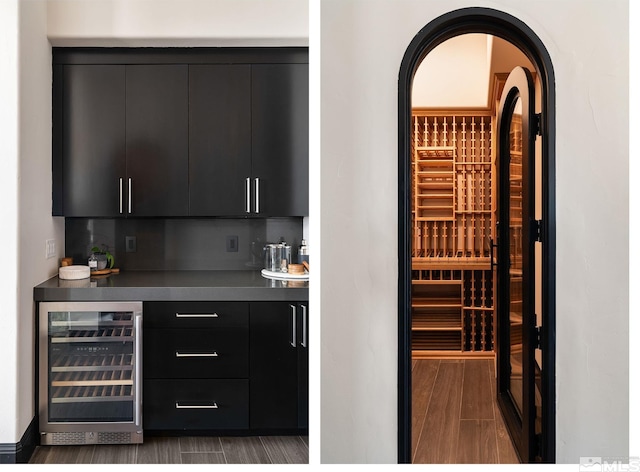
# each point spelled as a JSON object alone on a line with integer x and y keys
{"x": 202, "y": 285}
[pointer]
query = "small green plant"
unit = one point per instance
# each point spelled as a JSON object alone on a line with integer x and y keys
{"x": 97, "y": 250}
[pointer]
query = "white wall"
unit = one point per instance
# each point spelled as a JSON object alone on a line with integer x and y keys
{"x": 178, "y": 23}
{"x": 35, "y": 223}
{"x": 8, "y": 215}
{"x": 26, "y": 196}
{"x": 362, "y": 45}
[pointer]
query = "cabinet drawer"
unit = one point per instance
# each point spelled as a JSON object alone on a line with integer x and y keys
{"x": 196, "y": 353}
{"x": 195, "y": 314}
{"x": 196, "y": 404}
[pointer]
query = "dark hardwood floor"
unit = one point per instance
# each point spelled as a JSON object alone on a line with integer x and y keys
{"x": 183, "y": 450}
{"x": 455, "y": 415}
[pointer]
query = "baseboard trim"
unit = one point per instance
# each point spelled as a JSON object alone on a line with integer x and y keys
{"x": 20, "y": 452}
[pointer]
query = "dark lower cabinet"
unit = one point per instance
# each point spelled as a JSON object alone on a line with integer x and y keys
{"x": 279, "y": 365}
{"x": 215, "y": 366}
{"x": 196, "y": 366}
{"x": 204, "y": 404}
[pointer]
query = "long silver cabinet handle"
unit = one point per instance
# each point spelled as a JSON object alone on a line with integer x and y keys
{"x": 196, "y": 354}
{"x": 257, "y": 190}
{"x": 196, "y": 315}
{"x": 304, "y": 326}
{"x": 120, "y": 195}
{"x": 196, "y": 407}
{"x": 138, "y": 368}
{"x": 130, "y": 184}
{"x": 247, "y": 199}
{"x": 293, "y": 322}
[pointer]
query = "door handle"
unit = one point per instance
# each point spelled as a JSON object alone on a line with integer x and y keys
{"x": 257, "y": 195}
{"x": 247, "y": 195}
{"x": 130, "y": 184}
{"x": 491, "y": 246}
{"x": 293, "y": 323}
{"x": 120, "y": 195}
{"x": 304, "y": 326}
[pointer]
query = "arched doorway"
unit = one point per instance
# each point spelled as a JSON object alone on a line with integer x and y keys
{"x": 482, "y": 20}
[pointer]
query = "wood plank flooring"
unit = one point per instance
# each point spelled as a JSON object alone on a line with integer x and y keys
{"x": 183, "y": 450}
{"x": 455, "y": 417}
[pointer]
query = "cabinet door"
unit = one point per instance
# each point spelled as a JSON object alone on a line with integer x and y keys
{"x": 93, "y": 140}
{"x": 273, "y": 366}
{"x": 157, "y": 140}
{"x": 280, "y": 139}
{"x": 303, "y": 366}
{"x": 219, "y": 139}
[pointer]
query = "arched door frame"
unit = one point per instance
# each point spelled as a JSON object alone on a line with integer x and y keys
{"x": 447, "y": 26}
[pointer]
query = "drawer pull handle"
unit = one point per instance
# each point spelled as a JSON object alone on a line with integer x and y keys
{"x": 196, "y": 407}
{"x": 197, "y": 315}
{"x": 196, "y": 354}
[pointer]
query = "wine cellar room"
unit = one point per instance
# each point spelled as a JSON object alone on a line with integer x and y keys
{"x": 455, "y": 96}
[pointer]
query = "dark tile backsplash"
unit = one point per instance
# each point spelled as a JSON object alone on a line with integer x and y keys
{"x": 180, "y": 244}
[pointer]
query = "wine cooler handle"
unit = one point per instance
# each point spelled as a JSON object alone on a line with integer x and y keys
{"x": 293, "y": 322}
{"x": 196, "y": 407}
{"x": 138, "y": 385}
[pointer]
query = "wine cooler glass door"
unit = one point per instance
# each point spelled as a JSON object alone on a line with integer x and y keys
{"x": 92, "y": 364}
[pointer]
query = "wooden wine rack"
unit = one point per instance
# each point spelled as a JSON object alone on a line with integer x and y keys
{"x": 453, "y": 212}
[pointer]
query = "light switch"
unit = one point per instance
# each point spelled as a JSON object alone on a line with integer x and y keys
{"x": 50, "y": 248}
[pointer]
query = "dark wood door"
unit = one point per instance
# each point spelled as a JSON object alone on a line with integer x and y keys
{"x": 518, "y": 370}
{"x": 157, "y": 140}
{"x": 273, "y": 365}
{"x": 219, "y": 139}
{"x": 280, "y": 139}
{"x": 93, "y": 140}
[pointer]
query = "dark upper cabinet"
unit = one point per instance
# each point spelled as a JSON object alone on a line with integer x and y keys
{"x": 157, "y": 140}
{"x": 249, "y": 140}
{"x": 93, "y": 140}
{"x": 280, "y": 139}
{"x": 219, "y": 139}
{"x": 194, "y": 132}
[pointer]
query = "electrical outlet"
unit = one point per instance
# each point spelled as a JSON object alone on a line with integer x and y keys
{"x": 130, "y": 244}
{"x": 232, "y": 243}
{"x": 50, "y": 248}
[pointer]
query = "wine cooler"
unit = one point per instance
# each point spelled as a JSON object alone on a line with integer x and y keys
{"x": 90, "y": 372}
